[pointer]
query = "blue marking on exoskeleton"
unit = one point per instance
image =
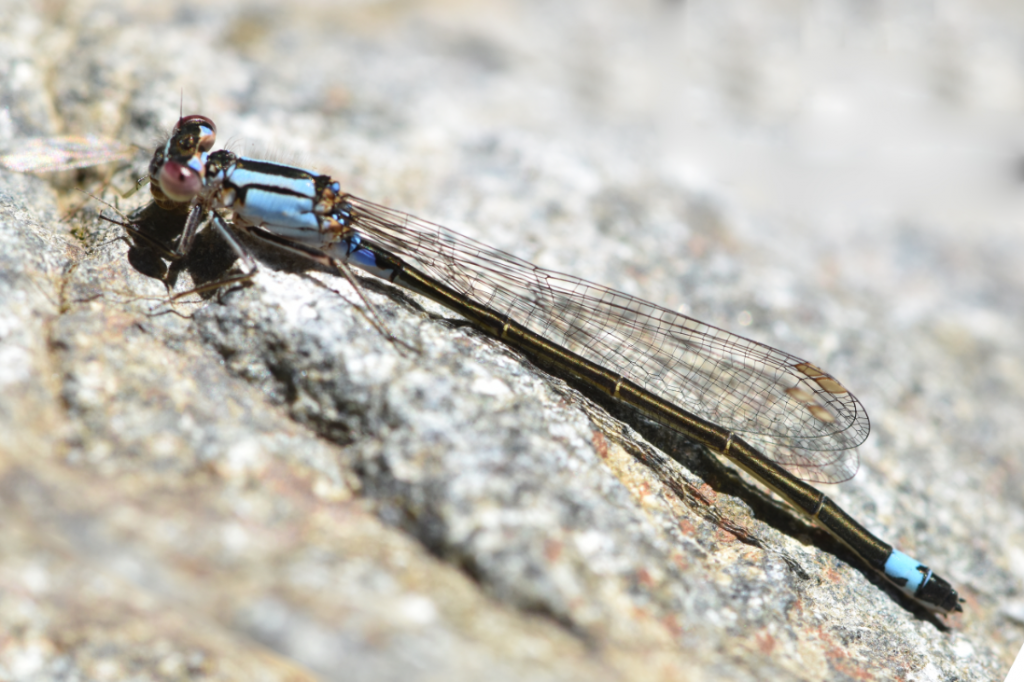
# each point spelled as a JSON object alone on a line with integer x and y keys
{"x": 366, "y": 260}
{"x": 198, "y": 163}
{"x": 356, "y": 256}
{"x": 291, "y": 217}
{"x": 240, "y": 176}
{"x": 907, "y": 572}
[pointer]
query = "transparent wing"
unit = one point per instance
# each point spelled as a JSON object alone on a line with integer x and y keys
{"x": 800, "y": 416}
{"x": 49, "y": 154}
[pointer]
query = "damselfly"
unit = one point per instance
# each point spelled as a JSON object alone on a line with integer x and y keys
{"x": 776, "y": 416}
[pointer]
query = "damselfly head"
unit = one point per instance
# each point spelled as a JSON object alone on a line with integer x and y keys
{"x": 177, "y": 169}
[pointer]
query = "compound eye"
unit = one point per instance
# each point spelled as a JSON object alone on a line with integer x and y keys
{"x": 207, "y": 130}
{"x": 179, "y": 182}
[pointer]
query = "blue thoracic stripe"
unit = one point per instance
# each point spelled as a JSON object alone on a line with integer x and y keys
{"x": 259, "y": 206}
{"x": 907, "y": 572}
{"x": 242, "y": 178}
